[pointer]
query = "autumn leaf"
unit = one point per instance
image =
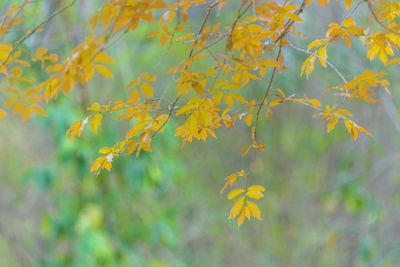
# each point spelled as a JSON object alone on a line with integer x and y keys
{"x": 147, "y": 89}
{"x": 103, "y": 70}
{"x": 236, "y": 208}
{"x": 254, "y": 210}
{"x": 332, "y": 123}
{"x": 235, "y": 192}
{"x": 96, "y": 122}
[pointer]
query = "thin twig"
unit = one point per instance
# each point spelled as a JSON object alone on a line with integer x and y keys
{"x": 323, "y": 59}
{"x": 267, "y": 91}
{"x": 19, "y": 43}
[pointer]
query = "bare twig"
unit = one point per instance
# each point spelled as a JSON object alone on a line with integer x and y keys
{"x": 323, "y": 59}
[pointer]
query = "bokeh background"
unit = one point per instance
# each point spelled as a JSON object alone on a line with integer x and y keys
{"x": 330, "y": 200}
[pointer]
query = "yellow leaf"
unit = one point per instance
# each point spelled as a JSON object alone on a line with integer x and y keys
{"x": 235, "y": 192}
{"x": 347, "y": 40}
{"x": 132, "y": 83}
{"x": 347, "y": 3}
{"x": 256, "y": 188}
{"x": 9, "y": 102}
{"x": 40, "y": 52}
{"x": 26, "y": 113}
{"x": 344, "y": 112}
{"x": 322, "y": 54}
{"x": 103, "y": 70}
{"x": 236, "y": 208}
{"x": 322, "y": 2}
{"x": 106, "y": 15}
{"x": 314, "y": 102}
{"x": 246, "y": 149}
{"x": 351, "y": 128}
{"x": 249, "y": 119}
{"x": 362, "y": 129}
{"x": 2, "y": 113}
{"x": 96, "y": 122}
{"x": 52, "y": 68}
{"x": 332, "y": 123}
{"x": 293, "y": 17}
{"x": 147, "y": 89}
{"x": 220, "y": 83}
{"x": 102, "y": 57}
{"x": 228, "y": 100}
{"x": 275, "y": 102}
{"x": 18, "y": 107}
{"x": 254, "y": 210}
{"x": 281, "y": 92}
{"x": 105, "y": 150}
{"x": 247, "y": 212}
{"x": 39, "y": 110}
{"x": 254, "y": 194}
{"x": 241, "y": 217}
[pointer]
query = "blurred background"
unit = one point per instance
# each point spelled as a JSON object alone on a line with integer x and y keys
{"x": 330, "y": 200}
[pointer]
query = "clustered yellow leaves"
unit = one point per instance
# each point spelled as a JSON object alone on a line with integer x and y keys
{"x": 205, "y": 98}
{"x": 243, "y": 208}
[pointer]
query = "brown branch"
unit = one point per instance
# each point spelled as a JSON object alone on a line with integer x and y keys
{"x": 267, "y": 92}
{"x": 373, "y": 12}
{"x": 291, "y": 22}
{"x": 172, "y": 106}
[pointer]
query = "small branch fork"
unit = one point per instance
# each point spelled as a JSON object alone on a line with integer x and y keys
{"x": 267, "y": 92}
{"x": 279, "y": 39}
{"x": 172, "y": 106}
{"x": 323, "y": 59}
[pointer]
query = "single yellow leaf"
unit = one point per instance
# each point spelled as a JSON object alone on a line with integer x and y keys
{"x": 256, "y": 188}
{"x": 96, "y": 122}
{"x": 275, "y": 102}
{"x": 103, "y": 57}
{"x": 249, "y": 119}
{"x": 344, "y": 112}
{"x": 347, "y": 3}
{"x": 351, "y": 128}
{"x": 235, "y": 192}
{"x": 2, "y": 113}
{"x": 246, "y": 149}
{"x": 332, "y": 123}
{"x": 241, "y": 217}
{"x": 147, "y": 89}
{"x": 315, "y": 102}
{"x": 236, "y": 208}
{"x": 39, "y": 110}
{"x": 26, "y": 113}
{"x": 103, "y": 70}
{"x": 362, "y": 129}
{"x": 281, "y": 92}
{"x": 247, "y": 212}
{"x": 254, "y": 194}
{"x": 18, "y": 107}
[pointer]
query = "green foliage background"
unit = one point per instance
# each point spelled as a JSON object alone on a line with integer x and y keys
{"x": 330, "y": 201}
